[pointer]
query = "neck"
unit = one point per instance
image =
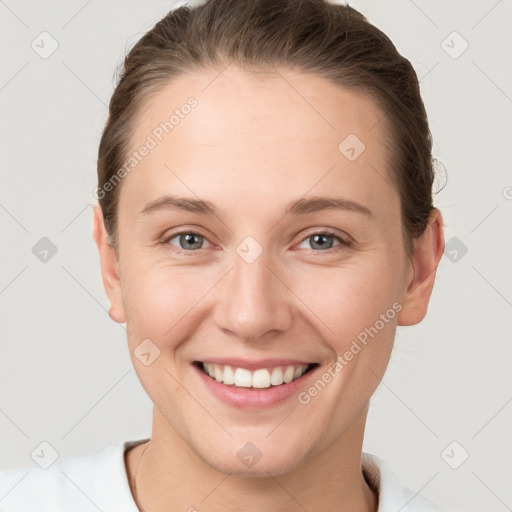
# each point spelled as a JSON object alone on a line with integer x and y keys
{"x": 331, "y": 479}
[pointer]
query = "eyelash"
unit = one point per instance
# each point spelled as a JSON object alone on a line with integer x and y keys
{"x": 344, "y": 243}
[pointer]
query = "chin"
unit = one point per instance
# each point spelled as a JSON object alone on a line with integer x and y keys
{"x": 262, "y": 464}
{"x": 259, "y": 471}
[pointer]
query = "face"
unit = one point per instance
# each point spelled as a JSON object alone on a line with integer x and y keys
{"x": 260, "y": 278}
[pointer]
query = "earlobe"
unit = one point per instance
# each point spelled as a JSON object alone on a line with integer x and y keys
{"x": 429, "y": 249}
{"x": 109, "y": 268}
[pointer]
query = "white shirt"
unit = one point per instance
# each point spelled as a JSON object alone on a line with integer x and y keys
{"x": 100, "y": 483}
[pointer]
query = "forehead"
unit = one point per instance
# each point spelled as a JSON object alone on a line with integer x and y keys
{"x": 259, "y": 136}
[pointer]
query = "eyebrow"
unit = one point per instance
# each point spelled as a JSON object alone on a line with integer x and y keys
{"x": 300, "y": 207}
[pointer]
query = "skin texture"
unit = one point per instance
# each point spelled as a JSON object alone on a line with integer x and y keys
{"x": 255, "y": 143}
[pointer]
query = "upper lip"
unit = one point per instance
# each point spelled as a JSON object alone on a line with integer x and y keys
{"x": 252, "y": 364}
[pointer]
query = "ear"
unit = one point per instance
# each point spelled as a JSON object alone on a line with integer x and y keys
{"x": 429, "y": 249}
{"x": 109, "y": 268}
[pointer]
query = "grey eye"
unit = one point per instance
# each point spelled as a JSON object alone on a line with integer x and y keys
{"x": 188, "y": 240}
{"x": 321, "y": 241}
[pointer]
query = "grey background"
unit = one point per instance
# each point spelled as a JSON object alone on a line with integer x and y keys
{"x": 65, "y": 373}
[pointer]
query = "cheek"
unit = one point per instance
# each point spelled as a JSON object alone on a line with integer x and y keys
{"x": 159, "y": 298}
{"x": 352, "y": 297}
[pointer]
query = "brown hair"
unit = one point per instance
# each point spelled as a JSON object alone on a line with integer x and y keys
{"x": 314, "y": 36}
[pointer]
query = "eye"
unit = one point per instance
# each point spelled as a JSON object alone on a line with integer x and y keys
{"x": 187, "y": 241}
{"x": 323, "y": 241}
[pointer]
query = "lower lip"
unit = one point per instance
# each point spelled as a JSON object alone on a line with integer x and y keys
{"x": 253, "y": 397}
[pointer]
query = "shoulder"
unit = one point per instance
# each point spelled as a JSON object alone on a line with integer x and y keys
{"x": 392, "y": 495}
{"x": 95, "y": 482}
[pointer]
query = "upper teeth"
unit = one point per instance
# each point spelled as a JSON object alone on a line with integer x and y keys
{"x": 261, "y": 378}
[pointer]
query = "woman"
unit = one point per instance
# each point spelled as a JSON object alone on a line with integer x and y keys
{"x": 265, "y": 221}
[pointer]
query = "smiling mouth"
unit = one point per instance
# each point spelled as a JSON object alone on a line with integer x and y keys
{"x": 262, "y": 378}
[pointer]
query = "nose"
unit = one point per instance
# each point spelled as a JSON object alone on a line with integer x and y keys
{"x": 252, "y": 300}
